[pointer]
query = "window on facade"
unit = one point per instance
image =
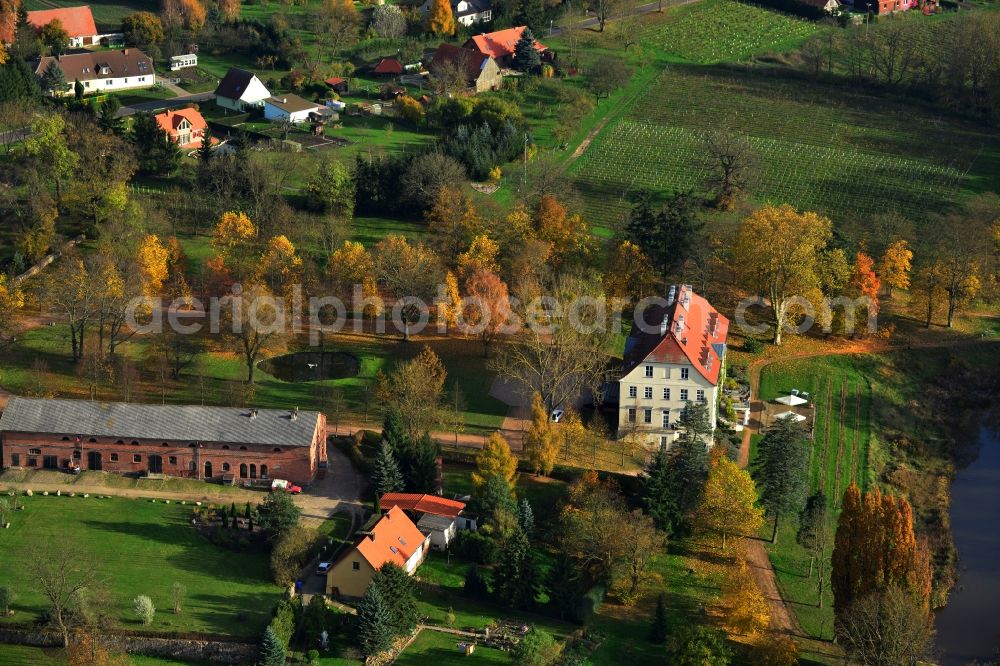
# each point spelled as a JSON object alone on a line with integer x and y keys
{"x": 93, "y": 441}
{"x": 135, "y": 443}
{"x": 356, "y": 566}
{"x": 701, "y": 395}
{"x": 136, "y": 458}
{"x": 647, "y": 392}
{"x": 666, "y": 418}
{"x": 225, "y": 467}
{"x": 684, "y": 394}
{"x": 263, "y": 471}
{"x": 649, "y": 371}
{"x": 76, "y": 455}
{"x": 631, "y": 415}
{"x": 633, "y": 391}
{"x": 15, "y": 460}
{"x": 664, "y": 441}
{"x": 277, "y": 450}
{"x": 684, "y": 373}
{"x": 172, "y": 460}
{"x": 114, "y": 457}
{"x": 65, "y": 439}
{"x": 34, "y": 452}
{"x": 647, "y": 416}
{"x": 666, "y": 393}
{"x": 32, "y": 462}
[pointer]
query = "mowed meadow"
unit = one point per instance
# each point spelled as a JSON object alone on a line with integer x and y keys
{"x": 133, "y": 547}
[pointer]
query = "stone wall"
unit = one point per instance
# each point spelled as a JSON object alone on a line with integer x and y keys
{"x": 215, "y": 651}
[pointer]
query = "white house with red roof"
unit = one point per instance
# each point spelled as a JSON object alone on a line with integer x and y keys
{"x": 675, "y": 356}
{"x": 78, "y": 22}
{"x": 393, "y": 538}
{"x": 435, "y": 515}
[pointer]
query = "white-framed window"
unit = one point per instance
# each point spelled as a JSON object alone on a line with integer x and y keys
{"x": 666, "y": 418}
{"x": 700, "y": 395}
{"x": 684, "y": 373}
{"x": 684, "y": 395}
{"x": 666, "y": 393}
{"x": 647, "y": 392}
{"x": 136, "y": 458}
{"x": 647, "y": 415}
{"x": 664, "y": 441}
{"x": 633, "y": 391}
{"x": 109, "y": 82}
{"x": 631, "y": 414}
{"x": 649, "y": 371}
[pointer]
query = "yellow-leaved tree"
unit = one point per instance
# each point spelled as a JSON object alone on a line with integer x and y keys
{"x": 777, "y": 253}
{"x": 234, "y": 241}
{"x": 152, "y": 260}
{"x": 495, "y": 459}
{"x": 746, "y": 611}
{"x": 541, "y": 443}
{"x": 350, "y": 264}
{"x": 629, "y": 275}
{"x": 281, "y": 266}
{"x": 729, "y": 504}
{"x": 440, "y": 19}
{"x": 481, "y": 255}
{"x": 894, "y": 267}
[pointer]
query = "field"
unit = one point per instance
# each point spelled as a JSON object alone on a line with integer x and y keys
{"x": 820, "y": 147}
{"x": 140, "y": 547}
{"x": 23, "y": 655}
{"x": 842, "y": 394}
{"x": 725, "y": 31}
{"x": 439, "y": 649}
{"x": 108, "y": 14}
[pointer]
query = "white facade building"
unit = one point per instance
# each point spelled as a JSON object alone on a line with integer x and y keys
{"x": 179, "y": 62}
{"x": 240, "y": 90}
{"x": 101, "y": 71}
{"x": 678, "y": 359}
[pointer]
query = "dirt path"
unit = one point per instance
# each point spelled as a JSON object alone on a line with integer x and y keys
{"x": 782, "y": 618}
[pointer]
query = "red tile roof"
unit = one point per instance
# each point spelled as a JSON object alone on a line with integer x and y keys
{"x": 689, "y": 330}
{"x": 77, "y": 21}
{"x": 388, "y": 66}
{"x": 500, "y": 43}
{"x": 439, "y": 506}
{"x": 335, "y": 80}
{"x": 170, "y": 120}
{"x": 393, "y": 539}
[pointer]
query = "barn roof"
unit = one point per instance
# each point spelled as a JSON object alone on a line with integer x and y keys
{"x": 169, "y": 423}
{"x": 77, "y": 21}
{"x": 423, "y": 503}
{"x": 500, "y": 43}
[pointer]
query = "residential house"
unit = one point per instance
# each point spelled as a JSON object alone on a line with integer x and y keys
{"x": 78, "y": 22}
{"x": 185, "y": 127}
{"x": 440, "y": 517}
{"x": 393, "y": 538}
{"x": 481, "y": 71}
{"x": 240, "y": 90}
{"x": 500, "y": 45}
{"x": 673, "y": 357}
{"x": 338, "y": 84}
{"x": 825, "y": 6}
{"x": 292, "y": 108}
{"x": 101, "y": 71}
{"x": 179, "y": 62}
{"x": 175, "y": 440}
{"x": 466, "y": 12}
{"x": 388, "y": 67}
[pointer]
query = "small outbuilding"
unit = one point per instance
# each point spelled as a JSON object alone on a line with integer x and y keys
{"x": 388, "y": 67}
{"x": 291, "y": 108}
{"x": 337, "y": 84}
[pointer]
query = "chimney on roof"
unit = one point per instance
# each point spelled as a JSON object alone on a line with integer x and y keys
{"x": 295, "y": 413}
{"x": 664, "y": 324}
{"x": 671, "y": 295}
{"x": 253, "y": 413}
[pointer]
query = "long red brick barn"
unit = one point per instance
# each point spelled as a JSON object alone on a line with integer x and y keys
{"x": 176, "y": 440}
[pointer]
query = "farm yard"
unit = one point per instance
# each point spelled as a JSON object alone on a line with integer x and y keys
{"x": 841, "y": 153}
{"x": 140, "y": 547}
{"x": 725, "y": 31}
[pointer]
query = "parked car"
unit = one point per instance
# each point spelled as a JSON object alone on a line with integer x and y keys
{"x": 287, "y": 486}
{"x": 323, "y": 568}
{"x": 557, "y": 415}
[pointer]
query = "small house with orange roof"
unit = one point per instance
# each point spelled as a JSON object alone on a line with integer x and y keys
{"x": 439, "y": 516}
{"x": 675, "y": 355}
{"x": 500, "y": 45}
{"x": 393, "y": 538}
{"x": 78, "y": 22}
{"x": 185, "y": 127}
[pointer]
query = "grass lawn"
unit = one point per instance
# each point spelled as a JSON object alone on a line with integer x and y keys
{"x": 24, "y": 655}
{"x": 544, "y": 493}
{"x": 439, "y": 649}
{"x": 140, "y": 547}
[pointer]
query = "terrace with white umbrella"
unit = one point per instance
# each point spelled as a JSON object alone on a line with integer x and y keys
{"x": 796, "y": 405}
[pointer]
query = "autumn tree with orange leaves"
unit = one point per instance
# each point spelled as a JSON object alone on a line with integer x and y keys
{"x": 894, "y": 267}
{"x": 875, "y": 548}
{"x": 487, "y": 307}
{"x": 864, "y": 280}
{"x": 188, "y": 13}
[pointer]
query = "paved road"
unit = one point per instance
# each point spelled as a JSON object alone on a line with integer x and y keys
{"x": 161, "y": 104}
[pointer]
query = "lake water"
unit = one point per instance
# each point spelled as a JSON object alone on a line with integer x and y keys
{"x": 968, "y": 628}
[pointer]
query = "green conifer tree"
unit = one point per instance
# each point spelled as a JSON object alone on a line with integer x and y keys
{"x": 374, "y": 623}
{"x": 271, "y": 651}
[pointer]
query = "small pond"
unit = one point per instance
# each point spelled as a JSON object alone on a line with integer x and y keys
{"x": 312, "y": 366}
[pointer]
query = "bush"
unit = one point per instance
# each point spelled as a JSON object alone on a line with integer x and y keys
{"x": 588, "y": 604}
{"x": 753, "y": 345}
{"x": 537, "y": 648}
{"x": 475, "y": 547}
{"x": 283, "y": 622}
{"x": 409, "y": 109}
{"x": 144, "y": 609}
